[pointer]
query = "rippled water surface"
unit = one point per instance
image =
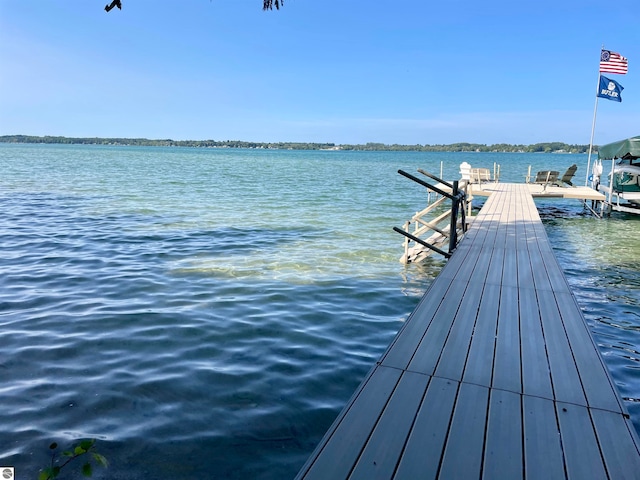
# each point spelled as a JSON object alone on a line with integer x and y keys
{"x": 207, "y": 313}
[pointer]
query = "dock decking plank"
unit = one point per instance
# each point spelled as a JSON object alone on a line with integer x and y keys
{"x": 428, "y": 352}
{"x": 481, "y": 267}
{"x": 400, "y": 352}
{"x": 536, "y": 379}
{"x": 491, "y": 237}
{"x": 503, "y": 449}
{"x": 622, "y": 460}
{"x": 453, "y": 358}
{"x": 463, "y": 452}
{"x": 496, "y": 267}
{"x": 567, "y": 386}
{"x": 541, "y": 280}
{"x": 482, "y": 348}
{"x": 467, "y": 266}
{"x": 525, "y": 267}
{"x": 581, "y": 449}
{"x": 510, "y": 267}
{"x": 555, "y": 274}
{"x": 425, "y": 445}
{"x": 506, "y": 365}
{"x": 543, "y": 458}
{"x": 598, "y": 386}
{"x": 382, "y": 451}
{"x": 458, "y": 261}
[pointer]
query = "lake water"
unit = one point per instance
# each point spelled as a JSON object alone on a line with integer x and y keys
{"x": 206, "y": 313}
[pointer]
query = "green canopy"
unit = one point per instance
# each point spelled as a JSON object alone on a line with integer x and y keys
{"x": 629, "y": 148}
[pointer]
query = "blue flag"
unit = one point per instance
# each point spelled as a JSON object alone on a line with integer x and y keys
{"x": 610, "y": 89}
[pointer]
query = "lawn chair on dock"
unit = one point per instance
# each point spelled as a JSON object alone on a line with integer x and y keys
{"x": 479, "y": 175}
{"x": 546, "y": 177}
{"x": 568, "y": 176}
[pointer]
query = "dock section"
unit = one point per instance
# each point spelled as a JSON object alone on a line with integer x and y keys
{"x": 536, "y": 190}
{"x": 494, "y": 375}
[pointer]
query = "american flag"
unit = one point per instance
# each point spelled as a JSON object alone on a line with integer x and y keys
{"x": 611, "y": 62}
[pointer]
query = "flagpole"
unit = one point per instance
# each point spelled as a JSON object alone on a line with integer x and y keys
{"x": 593, "y": 123}
{"x": 593, "y": 128}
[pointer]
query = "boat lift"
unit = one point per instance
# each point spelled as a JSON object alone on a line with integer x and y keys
{"x": 618, "y": 198}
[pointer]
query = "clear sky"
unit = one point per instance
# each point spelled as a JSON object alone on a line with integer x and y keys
{"x": 347, "y": 71}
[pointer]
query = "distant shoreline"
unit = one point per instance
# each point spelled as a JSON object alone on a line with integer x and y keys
{"x": 548, "y": 147}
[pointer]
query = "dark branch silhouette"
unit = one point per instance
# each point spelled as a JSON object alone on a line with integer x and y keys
{"x": 115, "y": 3}
{"x": 268, "y": 4}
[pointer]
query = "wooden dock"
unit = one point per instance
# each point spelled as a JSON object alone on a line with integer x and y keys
{"x": 537, "y": 190}
{"x": 494, "y": 375}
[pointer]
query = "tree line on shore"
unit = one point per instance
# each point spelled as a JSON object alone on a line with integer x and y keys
{"x": 548, "y": 147}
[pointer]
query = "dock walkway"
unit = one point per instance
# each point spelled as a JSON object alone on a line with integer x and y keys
{"x": 494, "y": 375}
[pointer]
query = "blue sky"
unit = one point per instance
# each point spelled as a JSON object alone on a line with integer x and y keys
{"x": 350, "y": 71}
